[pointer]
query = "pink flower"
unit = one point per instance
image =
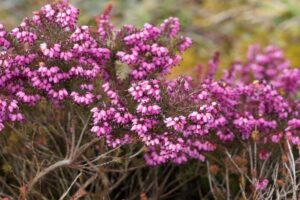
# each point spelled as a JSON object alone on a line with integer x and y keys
{"x": 264, "y": 155}
{"x": 261, "y": 184}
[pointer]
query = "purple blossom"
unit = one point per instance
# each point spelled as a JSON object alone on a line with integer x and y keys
{"x": 261, "y": 184}
{"x": 175, "y": 120}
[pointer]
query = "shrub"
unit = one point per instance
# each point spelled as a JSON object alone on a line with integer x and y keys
{"x": 67, "y": 80}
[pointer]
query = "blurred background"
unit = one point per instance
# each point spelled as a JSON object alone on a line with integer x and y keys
{"x": 214, "y": 25}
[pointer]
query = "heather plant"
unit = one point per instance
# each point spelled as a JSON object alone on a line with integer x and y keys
{"x": 86, "y": 103}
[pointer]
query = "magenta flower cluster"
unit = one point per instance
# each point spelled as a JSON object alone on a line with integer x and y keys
{"x": 50, "y": 57}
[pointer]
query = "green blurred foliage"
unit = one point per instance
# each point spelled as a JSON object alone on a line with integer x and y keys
{"x": 224, "y": 26}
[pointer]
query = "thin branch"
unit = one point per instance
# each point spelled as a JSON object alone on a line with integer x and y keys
{"x": 47, "y": 170}
{"x": 74, "y": 181}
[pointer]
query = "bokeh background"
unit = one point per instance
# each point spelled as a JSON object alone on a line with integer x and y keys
{"x": 214, "y": 25}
